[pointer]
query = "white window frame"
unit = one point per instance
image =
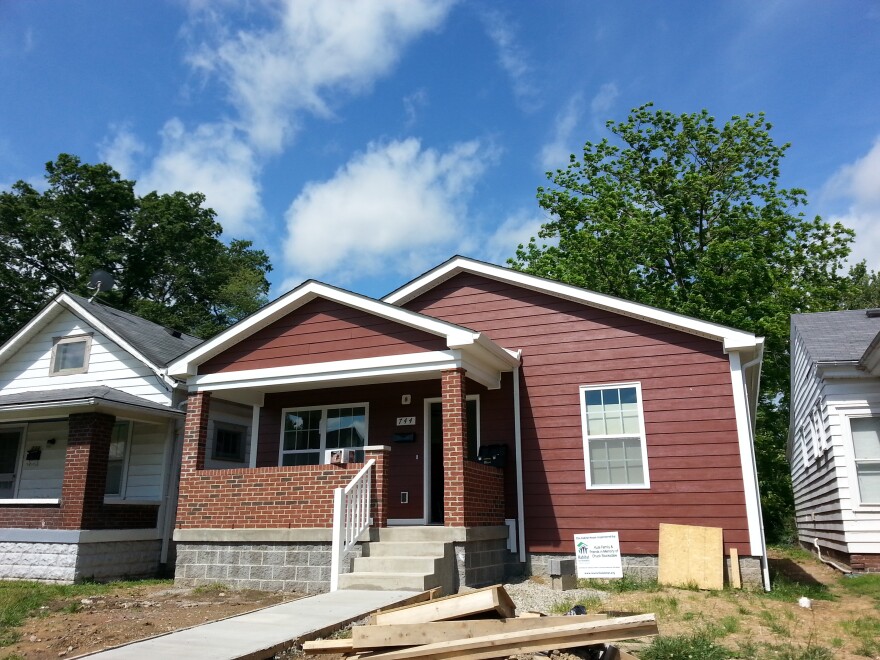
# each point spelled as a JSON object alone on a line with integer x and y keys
{"x": 123, "y": 480}
{"x": 72, "y": 339}
{"x": 582, "y": 390}
{"x": 847, "y": 414}
{"x": 322, "y": 428}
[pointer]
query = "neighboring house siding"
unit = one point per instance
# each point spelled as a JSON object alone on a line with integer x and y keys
{"x": 28, "y": 369}
{"x": 146, "y": 462}
{"x": 693, "y": 452}
{"x": 322, "y": 331}
{"x": 43, "y": 478}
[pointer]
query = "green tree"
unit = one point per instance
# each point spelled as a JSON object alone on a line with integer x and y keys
{"x": 164, "y": 251}
{"x": 681, "y": 213}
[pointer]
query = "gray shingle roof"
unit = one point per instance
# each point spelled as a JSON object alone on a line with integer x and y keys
{"x": 77, "y": 394}
{"x": 836, "y": 336}
{"x": 154, "y": 341}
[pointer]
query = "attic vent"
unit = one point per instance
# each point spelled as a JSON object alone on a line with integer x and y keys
{"x": 872, "y": 313}
{"x": 177, "y": 334}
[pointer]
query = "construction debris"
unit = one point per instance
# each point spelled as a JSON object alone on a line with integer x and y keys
{"x": 458, "y": 627}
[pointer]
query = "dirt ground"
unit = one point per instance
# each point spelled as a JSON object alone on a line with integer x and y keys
{"x": 72, "y": 627}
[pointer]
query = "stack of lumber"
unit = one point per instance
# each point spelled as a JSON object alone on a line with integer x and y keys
{"x": 479, "y": 624}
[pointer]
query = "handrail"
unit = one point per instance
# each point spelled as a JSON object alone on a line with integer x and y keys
{"x": 351, "y": 516}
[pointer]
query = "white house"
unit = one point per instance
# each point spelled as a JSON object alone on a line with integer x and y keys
{"x": 834, "y": 435}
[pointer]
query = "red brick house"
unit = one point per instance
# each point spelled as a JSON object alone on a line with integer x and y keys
{"x": 605, "y": 415}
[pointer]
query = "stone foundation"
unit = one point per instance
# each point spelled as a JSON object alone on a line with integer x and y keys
{"x": 485, "y": 562}
{"x": 645, "y": 567}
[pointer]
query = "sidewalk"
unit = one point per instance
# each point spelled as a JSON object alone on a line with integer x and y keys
{"x": 259, "y": 634}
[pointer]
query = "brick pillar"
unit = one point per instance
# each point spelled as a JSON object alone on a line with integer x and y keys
{"x": 85, "y": 470}
{"x": 195, "y": 433}
{"x": 454, "y": 410}
{"x": 379, "y": 496}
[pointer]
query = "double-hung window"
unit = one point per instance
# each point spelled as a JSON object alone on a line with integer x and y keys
{"x": 116, "y": 473}
{"x": 306, "y": 433}
{"x": 866, "y": 450}
{"x": 615, "y": 453}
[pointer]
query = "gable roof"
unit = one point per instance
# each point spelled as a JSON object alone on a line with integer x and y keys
{"x": 842, "y": 336}
{"x": 151, "y": 343}
{"x": 733, "y": 340}
{"x": 456, "y": 336}
{"x": 79, "y": 397}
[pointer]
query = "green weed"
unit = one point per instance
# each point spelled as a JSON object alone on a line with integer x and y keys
{"x": 866, "y": 630}
{"x": 211, "y": 589}
{"x": 784, "y": 588}
{"x": 700, "y": 645}
{"x": 621, "y": 585}
{"x": 863, "y": 585}
{"x": 592, "y": 603}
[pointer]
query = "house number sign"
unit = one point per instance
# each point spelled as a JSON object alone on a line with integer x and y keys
{"x": 406, "y": 421}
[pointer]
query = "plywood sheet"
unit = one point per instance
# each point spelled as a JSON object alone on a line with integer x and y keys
{"x": 691, "y": 555}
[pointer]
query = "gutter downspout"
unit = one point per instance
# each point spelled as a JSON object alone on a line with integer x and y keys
{"x": 173, "y": 490}
{"x": 517, "y": 439}
{"x": 765, "y": 563}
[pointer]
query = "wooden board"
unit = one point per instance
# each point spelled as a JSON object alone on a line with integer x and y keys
{"x": 327, "y": 646}
{"x": 452, "y": 607}
{"x": 530, "y": 641}
{"x": 691, "y": 555}
{"x": 735, "y": 578}
{"x": 413, "y": 634}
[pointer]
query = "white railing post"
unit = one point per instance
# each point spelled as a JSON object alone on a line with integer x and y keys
{"x": 351, "y": 516}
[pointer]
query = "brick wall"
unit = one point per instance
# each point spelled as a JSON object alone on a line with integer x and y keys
{"x": 261, "y": 498}
{"x": 195, "y": 432}
{"x": 483, "y": 494}
{"x": 866, "y": 563}
{"x": 36, "y": 516}
{"x": 379, "y": 487}
{"x": 454, "y": 403}
{"x": 85, "y": 470}
{"x": 128, "y": 516}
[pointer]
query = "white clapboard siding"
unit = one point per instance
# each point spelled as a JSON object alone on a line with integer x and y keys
{"x": 28, "y": 369}
{"x": 146, "y": 460}
{"x": 230, "y": 413}
{"x": 43, "y": 478}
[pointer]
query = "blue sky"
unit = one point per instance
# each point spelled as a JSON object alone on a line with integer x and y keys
{"x": 361, "y": 143}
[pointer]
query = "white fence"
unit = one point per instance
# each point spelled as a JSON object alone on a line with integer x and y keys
{"x": 351, "y": 516}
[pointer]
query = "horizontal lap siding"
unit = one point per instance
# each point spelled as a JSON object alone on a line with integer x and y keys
{"x": 322, "y": 331}
{"x": 693, "y": 450}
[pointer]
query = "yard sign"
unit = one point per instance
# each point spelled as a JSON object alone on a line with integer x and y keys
{"x": 598, "y": 555}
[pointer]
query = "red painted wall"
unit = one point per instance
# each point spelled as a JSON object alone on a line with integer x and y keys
{"x": 322, "y": 331}
{"x": 693, "y": 449}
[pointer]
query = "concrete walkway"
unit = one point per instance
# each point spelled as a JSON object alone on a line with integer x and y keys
{"x": 263, "y": 633}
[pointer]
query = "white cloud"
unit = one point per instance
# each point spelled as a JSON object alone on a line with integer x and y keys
{"x": 555, "y": 153}
{"x": 516, "y": 230}
{"x": 396, "y": 205}
{"x": 212, "y": 159}
{"x": 857, "y": 184}
{"x": 603, "y": 101}
{"x": 512, "y": 58}
{"x": 122, "y": 151}
{"x": 312, "y": 50}
{"x": 412, "y": 103}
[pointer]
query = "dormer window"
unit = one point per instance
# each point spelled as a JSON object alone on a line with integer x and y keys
{"x": 70, "y": 355}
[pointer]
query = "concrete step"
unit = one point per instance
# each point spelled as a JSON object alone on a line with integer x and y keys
{"x": 404, "y": 549}
{"x": 388, "y": 581}
{"x": 400, "y": 564}
{"x": 421, "y": 534}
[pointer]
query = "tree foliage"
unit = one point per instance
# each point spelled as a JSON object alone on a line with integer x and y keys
{"x": 679, "y": 212}
{"x": 164, "y": 251}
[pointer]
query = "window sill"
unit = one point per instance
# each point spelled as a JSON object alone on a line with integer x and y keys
{"x": 621, "y": 487}
{"x": 119, "y": 500}
{"x": 32, "y": 500}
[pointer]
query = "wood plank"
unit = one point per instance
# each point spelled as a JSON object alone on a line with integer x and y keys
{"x": 493, "y": 598}
{"x": 412, "y": 634}
{"x": 691, "y": 555}
{"x": 320, "y": 646}
{"x": 735, "y": 578}
{"x": 530, "y": 641}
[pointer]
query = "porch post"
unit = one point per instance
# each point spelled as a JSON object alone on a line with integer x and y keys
{"x": 85, "y": 470}
{"x": 454, "y": 410}
{"x": 195, "y": 433}
{"x": 379, "y": 496}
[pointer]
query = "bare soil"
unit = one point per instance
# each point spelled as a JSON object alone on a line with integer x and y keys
{"x": 72, "y": 627}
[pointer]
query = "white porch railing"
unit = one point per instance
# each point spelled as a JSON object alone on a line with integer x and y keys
{"x": 351, "y": 516}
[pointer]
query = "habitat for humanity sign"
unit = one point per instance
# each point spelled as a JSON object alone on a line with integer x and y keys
{"x": 598, "y": 555}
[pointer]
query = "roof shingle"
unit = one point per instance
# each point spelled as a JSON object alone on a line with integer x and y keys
{"x": 836, "y": 336}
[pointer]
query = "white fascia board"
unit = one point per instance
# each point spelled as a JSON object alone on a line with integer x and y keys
{"x": 62, "y": 408}
{"x": 33, "y": 326}
{"x": 187, "y": 365}
{"x": 734, "y": 340}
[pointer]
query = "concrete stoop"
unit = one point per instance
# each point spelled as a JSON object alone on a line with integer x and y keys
{"x": 404, "y": 559}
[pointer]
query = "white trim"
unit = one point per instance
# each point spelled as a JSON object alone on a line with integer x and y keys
{"x": 733, "y": 339}
{"x": 643, "y": 442}
{"x": 22, "y": 429}
{"x": 322, "y": 426}
{"x": 81, "y": 338}
{"x": 846, "y": 413}
{"x": 747, "y": 457}
{"x": 31, "y": 500}
{"x": 255, "y": 434}
{"x": 517, "y": 441}
{"x": 187, "y": 365}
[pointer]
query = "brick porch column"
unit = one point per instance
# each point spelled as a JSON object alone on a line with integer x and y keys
{"x": 379, "y": 495}
{"x": 85, "y": 469}
{"x": 195, "y": 433}
{"x": 454, "y": 411}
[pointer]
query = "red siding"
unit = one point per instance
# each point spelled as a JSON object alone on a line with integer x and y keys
{"x": 693, "y": 449}
{"x": 322, "y": 331}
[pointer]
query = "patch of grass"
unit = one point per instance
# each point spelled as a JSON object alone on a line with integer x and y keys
{"x": 773, "y": 624}
{"x": 20, "y": 599}
{"x": 700, "y": 645}
{"x": 863, "y": 585}
{"x": 621, "y": 585}
{"x": 211, "y": 589}
{"x": 792, "y": 551}
{"x": 784, "y": 588}
{"x": 592, "y": 603}
{"x": 866, "y": 630}
{"x": 660, "y": 605}
{"x": 792, "y": 652}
